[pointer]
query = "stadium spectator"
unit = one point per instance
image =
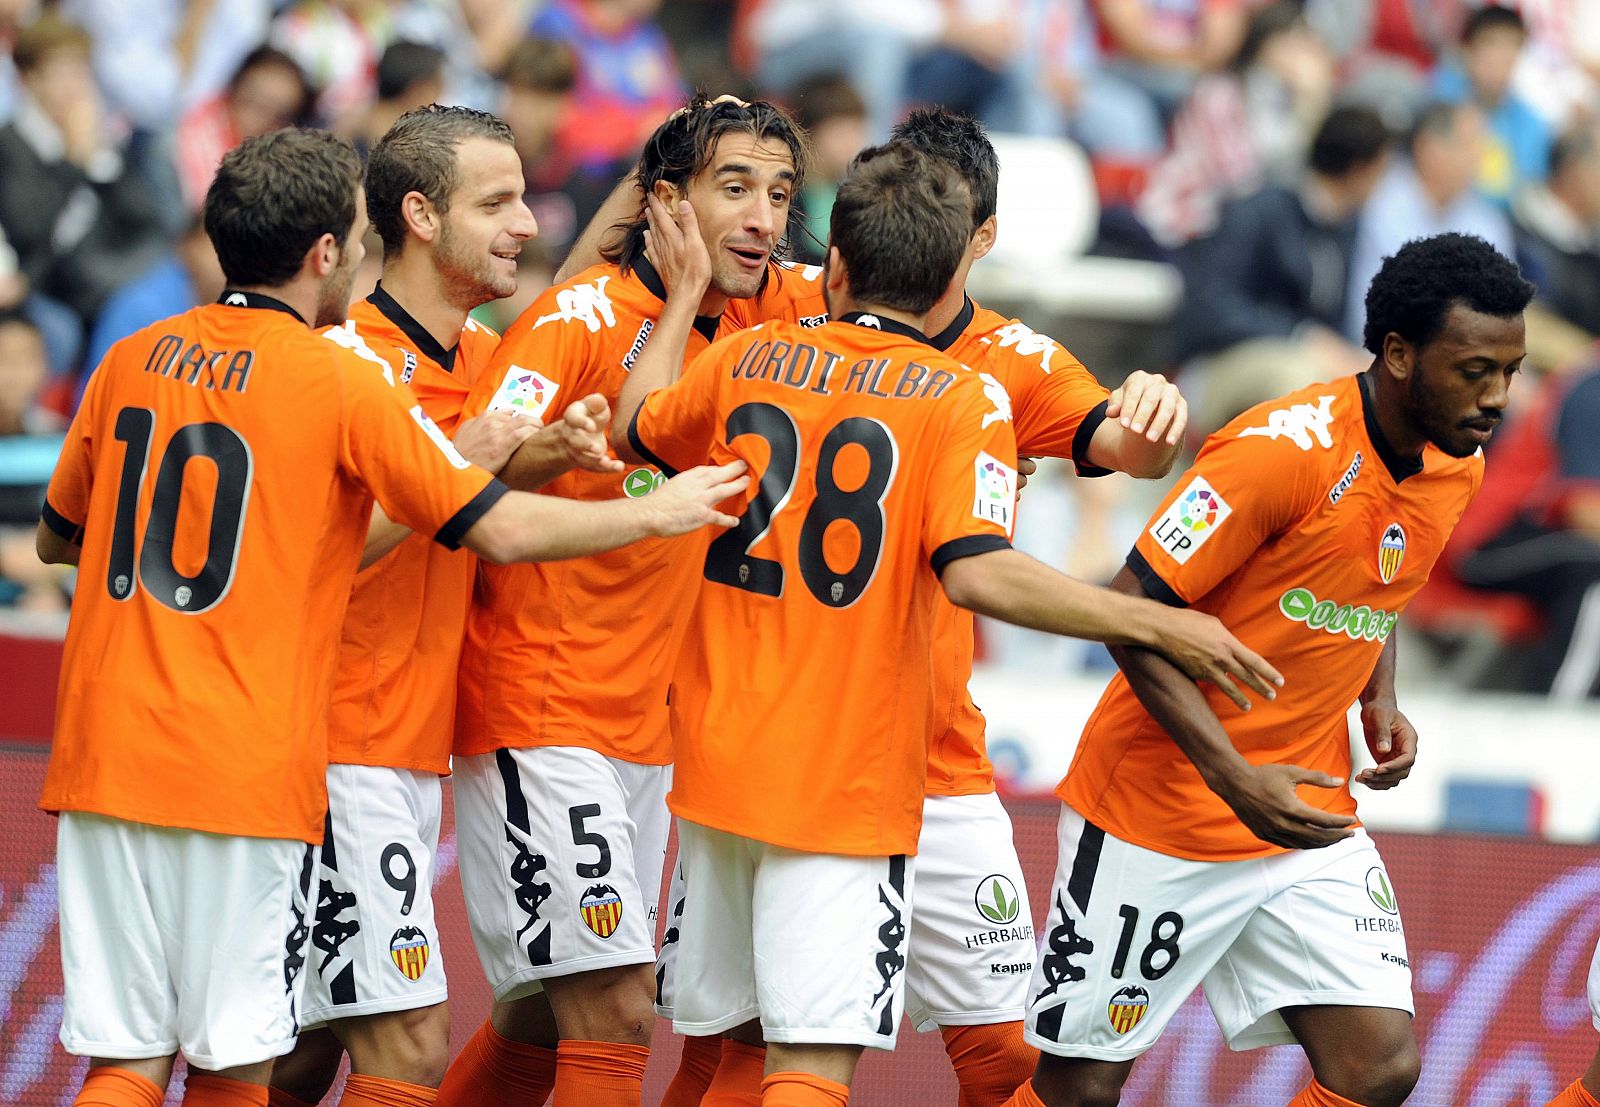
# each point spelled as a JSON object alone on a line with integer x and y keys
{"x": 835, "y": 118}
{"x": 266, "y": 92}
{"x": 1240, "y": 128}
{"x": 540, "y": 75}
{"x": 1075, "y": 95}
{"x": 13, "y": 15}
{"x": 1557, "y": 226}
{"x": 1163, "y": 46}
{"x": 79, "y": 217}
{"x": 337, "y": 44}
{"x": 1535, "y": 530}
{"x": 1428, "y": 192}
{"x": 978, "y": 65}
{"x": 1265, "y": 294}
{"x": 30, "y": 440}
{"x": 1387, "y": 49}
{"x": 410, "y": 75}
{"x": 1516, "y": 146}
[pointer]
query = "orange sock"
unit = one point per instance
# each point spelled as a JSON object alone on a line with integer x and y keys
{"x": 109, "y": 1086}
{"x": 494, "y": 1071}
{"x": 801, "y": 1089}
{"x": 202, "y": 1090}
{"x": 1025, "y": 1096}
{"x": 1574, "y": 1095}
{"x": 600, "y": 1074}
{"x": 361, "y": 1090}
{"x": 991, "y": 1061}
{"x": 277, "y": 1097}
{"x": 738, "y": 1079}
{"x": 1315, "y": 1095}
{"x": 701, "y": 1056}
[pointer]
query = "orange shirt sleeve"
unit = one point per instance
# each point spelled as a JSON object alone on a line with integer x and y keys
{"x": 66, "y": 501}
{"x": 675, "y": 426}
{"x": 972, "y": 490}
{"x": 1241, "y": 491}
{"x": 539, "y": 368}
{"x": 1056, "y": 401}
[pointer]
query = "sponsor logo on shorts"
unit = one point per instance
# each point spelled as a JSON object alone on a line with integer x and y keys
{"x": 1191, "y": 520}
{"x": 408, "y": 949}
{"x": 1015, "y": 969}
{"x": 996, "y": 899}
{"x": 1063, "y": 943}
{"x": 1127, "y": 1008}
{"x": 1394, "y": 959}
{"x": 601, "y": 908}
{"x": 1379, "y": 892}
{"x": 1354, "y": 621}
{"x": 1378, "y": 924}
{"x": 642, "y": 482}
{"x": 890, "y": 961}
{"x": 1391, "y": 551}
{"x": 1336, "y": 493}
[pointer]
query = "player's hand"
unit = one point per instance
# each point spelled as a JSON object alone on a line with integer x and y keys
{"x": 583, "y": 435}
{"x": 1392, "y": 741}
{"x": 489, "y": 440}
{"x": 675, "y": 247}
{"x": 1205, "y": 650}
{"x": 1149, "y": 404}
{"x": 1026, "y": 467}
{"x": 690, "y": 500}
{"x": 1264, "y": 798}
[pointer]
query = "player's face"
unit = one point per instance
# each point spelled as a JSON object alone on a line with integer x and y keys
{"x": 741, "y": 200}
{"x": 1459, "y": 386}
{"x": 483, "y": 232}
{"x": 333, "y": 302}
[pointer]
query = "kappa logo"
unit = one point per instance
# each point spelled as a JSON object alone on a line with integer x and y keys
{"x": 996, "y": 394}
{"x": 1028, "y": 342}
{"x": 1391, "y": 552}
{"x": 1379, "y": 892}
{"x": 410, "y": 369}
{"x": 638, "y": 344}
{"x": 1063, "y": 943}
{"x": 1190, "y": 520}
{"x": 345, "y": 335}
{"x": 1336, "y": 493}
{"x": 1299, "y": 423}
{"x": 601, "y": 908}
{"x": 810, "y": 322}
{"x": 890, "y": 961}
{"x": 530, "y": 893}
{"x": 408, "y": 949}
{"x": 524, "y": 391}
{"x": 582, "y": 303}
{"x": 996, "y": 900}
{"x": 1127, "y": 1008}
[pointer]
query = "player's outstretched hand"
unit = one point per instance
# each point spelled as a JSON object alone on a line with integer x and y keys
{"x": 1149, "y": 404}
{"x": 1392, "y": 741}
{"x": 1264, "y": 798}
{"x": 489, "y": 440}
{"x": 583, "y": 434}
{"x": 676, "y": 249}
{"x": 690, "y": 500}
{"x": 1205, "y": 650}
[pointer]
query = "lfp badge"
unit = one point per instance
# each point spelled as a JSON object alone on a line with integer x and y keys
{"x": 1391, "y": 551}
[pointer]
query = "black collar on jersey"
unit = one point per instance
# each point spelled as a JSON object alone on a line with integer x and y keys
{"x": 887, "y": 326}
{"x": 1399, "y": 467}
{"x": 419, "y": 336}
{"x": 947, "y": 337}
{"x": 232, "y": 297}
{"x": 706, "y": 324}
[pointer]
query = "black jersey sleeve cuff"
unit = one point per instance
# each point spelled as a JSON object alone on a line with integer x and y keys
{"x": 62, "y": 526}
{"x": 450, "y": 535}
{"x": 641, "y": 449}
{"x": 1156, "y": 588}
{"x": 1080, "y": 441}
{"x": 970, "y": 546}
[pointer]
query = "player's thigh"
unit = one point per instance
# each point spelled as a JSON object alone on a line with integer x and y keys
{"x": 548, "y": 864}
{"x": 1330, "y": 934}
{"x": 971, "y": 942}
{"x": 712, "y": 986}
{"x": 1130, "y": 933}
{"x": 375, "y": 944}
{"x": 830, "y": 939}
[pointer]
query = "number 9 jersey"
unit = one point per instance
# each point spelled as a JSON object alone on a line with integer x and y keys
{"x": 802, "y": 700}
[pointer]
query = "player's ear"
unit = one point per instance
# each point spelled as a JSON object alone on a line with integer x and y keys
{"x": 834, "y": 275}
{"x": 1399, "y": 357}
{"x": 323, "y": 257}
{"x": 419, "y": 215}
{"x": 668, "y": 193}
{"x": 983, "y": 238}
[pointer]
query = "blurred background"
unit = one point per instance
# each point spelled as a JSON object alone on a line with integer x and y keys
{"x": 1201, "y": 188}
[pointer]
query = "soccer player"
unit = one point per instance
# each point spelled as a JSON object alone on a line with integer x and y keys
{"x": 1204, "y": 846}
{"x": 214, "y": 490}
{"x": 444, "y": 192}
{"x": 562, "y": 750}
{"x": 1585, "y": 1091}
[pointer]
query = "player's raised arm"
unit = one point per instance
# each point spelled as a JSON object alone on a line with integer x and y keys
{"x": 619, "y": 209}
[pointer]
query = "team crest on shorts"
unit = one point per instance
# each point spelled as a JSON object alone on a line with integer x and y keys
{"x": 1127, "y": 1007}
{"x": 601, "y": 908}
{"x": 408, "y": 949}
{"x": 1391, "y": 551}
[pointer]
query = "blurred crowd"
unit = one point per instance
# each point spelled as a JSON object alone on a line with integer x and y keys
{"x": 1272, "y": 152}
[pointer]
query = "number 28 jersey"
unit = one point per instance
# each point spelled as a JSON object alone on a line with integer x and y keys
{"x": 802, "y": 702}
{"x": 219, "y": 478}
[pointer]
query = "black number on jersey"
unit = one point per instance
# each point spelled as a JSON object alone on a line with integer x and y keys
{"x": 404, "y": 882}
{"x": 1164, "y": 934}
{"x": 582, "y": 836}
{"x": 729, "y": 560}
{"x": 154, "y": 564}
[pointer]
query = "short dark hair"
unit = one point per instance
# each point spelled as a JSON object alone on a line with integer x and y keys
{"x": 541, "y": 64}
{"x": 47, "y": 35}
{"x": 1575, "y": 144}
{"x": 959, "y": 140}
{"x": 418, "y": 154}
{"x": 1350, "y": 137}
{"x": 274, "y": 196}
{"x": 1419, "y": 284}
{"x": 683, "y": 146}
{"x": 1437, "y": 118}
{"x": 1492, "y": 17}
{"x": 827, "y": 96}
{"x": 901, "y": 222}
{"x": 405, "y": 64}
{"x": 270, "y": 57}
{"x": 1266, "y": 23}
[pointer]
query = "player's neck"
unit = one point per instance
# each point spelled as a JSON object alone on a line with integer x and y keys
{"x": 1390, "y": 410}
{"x": 301, "y": 294}
{"x": 423, "y": 292}
{"x": 947, "y": 307}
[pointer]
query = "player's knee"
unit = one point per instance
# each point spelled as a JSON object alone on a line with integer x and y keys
{"x": 1079, "y": 1082}
{"x": 609, "y": 1005}
{"x": 410, "y": 1046}
{"x": 1377, "y": 1078}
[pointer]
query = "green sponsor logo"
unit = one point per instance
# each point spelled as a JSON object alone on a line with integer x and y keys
{"x": 1355, "y": 622}
{"x": 1379, "y": 892}
{"x": 997, "y": 900}
{"x": 642, "y": 482}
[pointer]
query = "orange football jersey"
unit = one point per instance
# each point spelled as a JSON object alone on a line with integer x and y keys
{"x": 1300, "y": 529}
{"x": 579, "y": 652}
{"x": 802, "y": 704}
{"x": 219, "y": 478}
{"x": 394, "y": 693}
